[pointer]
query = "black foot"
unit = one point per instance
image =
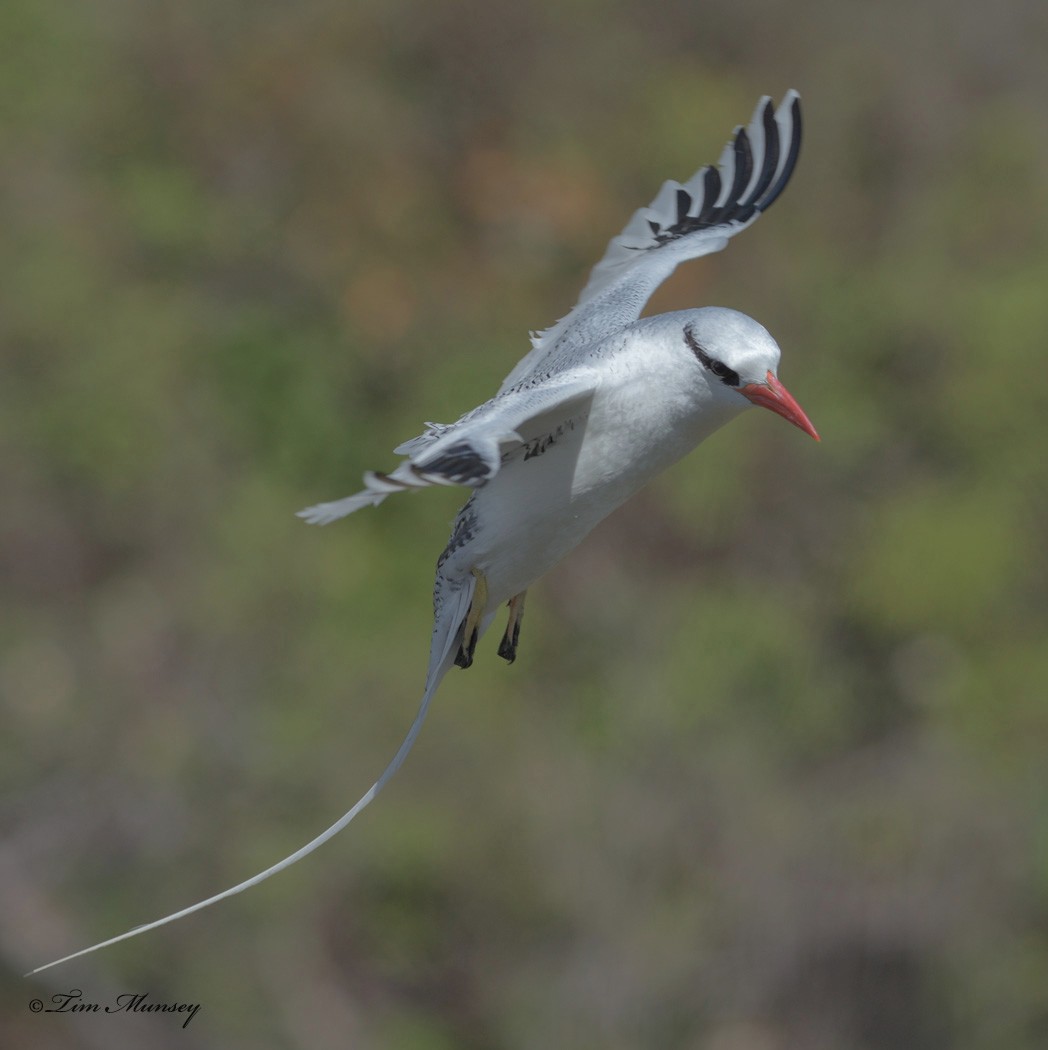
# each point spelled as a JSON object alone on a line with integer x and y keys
{"x": 508, "y": 645}
{"x": 471, "y": 625}
{"x": 464, "y": 657}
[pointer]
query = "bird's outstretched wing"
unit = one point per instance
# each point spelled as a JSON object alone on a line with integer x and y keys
{"x": 470, "y": 451}
{"x": 682, "y": 222}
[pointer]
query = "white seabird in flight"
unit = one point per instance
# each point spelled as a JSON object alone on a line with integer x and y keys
{"x": 603, "y": 402}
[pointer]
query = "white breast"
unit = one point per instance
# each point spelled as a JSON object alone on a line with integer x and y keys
{"x": 570, "y": 475}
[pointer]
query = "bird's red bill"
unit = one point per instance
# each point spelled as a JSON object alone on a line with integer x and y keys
{"x": 772, "y": 394}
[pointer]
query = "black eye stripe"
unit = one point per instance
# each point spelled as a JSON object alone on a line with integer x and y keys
{"x": 725, "y": 374}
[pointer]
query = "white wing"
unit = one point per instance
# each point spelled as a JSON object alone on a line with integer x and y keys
{"x": 470, "y": 451}
{"x": 682, "y": 222}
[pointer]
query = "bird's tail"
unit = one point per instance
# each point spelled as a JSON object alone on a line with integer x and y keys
{"x": 450, "y": 613}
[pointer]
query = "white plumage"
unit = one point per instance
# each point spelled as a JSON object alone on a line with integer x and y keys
{"x": 602, "y": 403}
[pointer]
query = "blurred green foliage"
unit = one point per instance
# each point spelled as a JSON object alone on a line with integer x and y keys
{"x": 771, "y": 770}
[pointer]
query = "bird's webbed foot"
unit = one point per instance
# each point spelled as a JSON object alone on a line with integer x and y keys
{"x": 471, "y": 627}
{"x": 508, "y": 645}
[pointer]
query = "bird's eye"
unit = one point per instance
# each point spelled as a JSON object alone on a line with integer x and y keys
{"x": 718, "y": 368}
{"x": 723, "y": 372}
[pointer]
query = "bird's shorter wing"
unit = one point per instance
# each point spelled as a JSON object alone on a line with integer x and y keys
{"x": 470, "y": 451}
{"x": 684, "y": 221}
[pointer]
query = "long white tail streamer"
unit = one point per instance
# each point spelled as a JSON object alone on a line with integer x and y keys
{"x": 395, "y": 763}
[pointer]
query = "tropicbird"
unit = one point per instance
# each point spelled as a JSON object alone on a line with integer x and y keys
{"x": 603, "y": 402}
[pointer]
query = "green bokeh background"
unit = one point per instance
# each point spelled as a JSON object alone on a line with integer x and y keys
{"x": 770, "y": 772}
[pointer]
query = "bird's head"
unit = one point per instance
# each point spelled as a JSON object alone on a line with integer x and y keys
{"x": 739, "y": 359}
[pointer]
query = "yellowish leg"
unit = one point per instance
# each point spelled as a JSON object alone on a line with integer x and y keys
{"x": 471, "y": 628}
{"x": 508, "y": 645}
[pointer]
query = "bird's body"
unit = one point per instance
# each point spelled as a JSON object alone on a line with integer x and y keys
{"x": 603, "y": 402}
{"x": 572, "y": 468}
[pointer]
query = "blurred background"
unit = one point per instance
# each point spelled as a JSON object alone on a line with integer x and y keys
{"x": 770, "y": 771}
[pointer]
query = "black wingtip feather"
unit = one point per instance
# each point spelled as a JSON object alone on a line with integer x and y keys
{"x": 711, "y": 187}
{"x": 683, "y": 204}
{"x": 743, "y": 164}
{"x": 460, "y": 464}
{"x": 796, "y": 131}
{"x": 770, "y": 160}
